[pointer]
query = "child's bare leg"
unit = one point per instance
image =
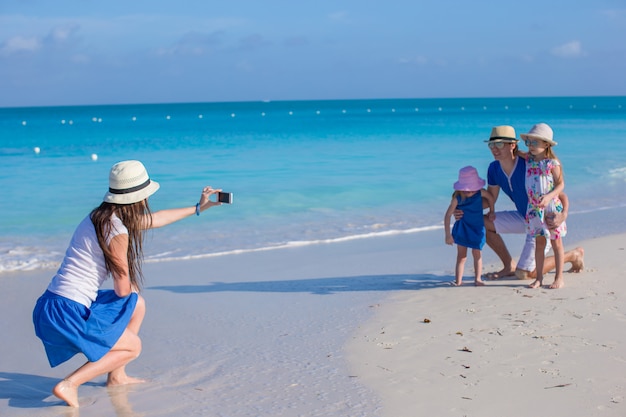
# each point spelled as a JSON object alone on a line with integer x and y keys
{"x": 478, "y": 267}
{"x": 557, "y": 247}
{"x": 539, "y": 260}
{"x": 461, "y": 256}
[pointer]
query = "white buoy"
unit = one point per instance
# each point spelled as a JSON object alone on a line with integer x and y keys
{"x": 94, "y": 157}
{"x": 168, "y": 117}
{"x": 200, "y": 116}
{"x": 23, "y": 122}
{"x": 134, "y": 119}
{"x": 37, "y": 150}
{"x": 232, "y": 115}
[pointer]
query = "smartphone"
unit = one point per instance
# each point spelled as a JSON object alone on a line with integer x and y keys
{"x": 226, "y": 198}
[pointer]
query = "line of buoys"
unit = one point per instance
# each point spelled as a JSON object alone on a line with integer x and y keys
{"x": 317, "y": 112}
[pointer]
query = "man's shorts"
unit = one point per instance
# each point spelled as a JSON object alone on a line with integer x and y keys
{"x": 513, "y": 222}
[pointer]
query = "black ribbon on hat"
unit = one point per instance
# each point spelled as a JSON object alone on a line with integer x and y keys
{"x": 131, "y": 189}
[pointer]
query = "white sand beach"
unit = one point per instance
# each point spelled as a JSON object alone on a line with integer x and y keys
{"x": 339, "y": 330}
{"x": 505, "y": 350}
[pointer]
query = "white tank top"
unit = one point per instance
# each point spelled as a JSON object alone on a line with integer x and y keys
{"x": 83, "y": 270}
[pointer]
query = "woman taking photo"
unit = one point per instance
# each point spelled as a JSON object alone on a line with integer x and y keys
{"x": 74, "y": 315}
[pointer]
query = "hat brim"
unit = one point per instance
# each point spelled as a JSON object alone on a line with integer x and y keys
{"x": 533, "y": 136}
{"x": 502, "y": 140}
{"x": 134, "y": 197}
{"x": 459, "y": 186}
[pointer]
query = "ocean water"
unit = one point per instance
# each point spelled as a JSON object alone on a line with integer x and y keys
{"x": 302, "y": 172}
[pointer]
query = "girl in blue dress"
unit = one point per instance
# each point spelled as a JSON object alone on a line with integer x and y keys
{"x": 468, "y": 231}
{"x": 74, "y": 315}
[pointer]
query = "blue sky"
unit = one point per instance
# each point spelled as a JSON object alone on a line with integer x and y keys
{"x": 78, "y": 52}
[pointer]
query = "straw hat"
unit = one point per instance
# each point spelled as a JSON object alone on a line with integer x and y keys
{"x": 129, "y": 183}
{"x": 502, "y": 134}
{"x": 469, "y": 180}
{"x": 540, "y": 131}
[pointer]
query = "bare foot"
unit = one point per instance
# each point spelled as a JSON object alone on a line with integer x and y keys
{"x": 558, "y": 283}
{"x": 535, "y": 284}
{"x": 479, "y": 283}
{"x": 504, "y": 272}
{"x": 523, "y": 274}
{"x": 578, "y": 263}
{"x": 67, "y": 391}
{"x": 125, "y": 380}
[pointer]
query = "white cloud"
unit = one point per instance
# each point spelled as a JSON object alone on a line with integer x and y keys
{"x": 62, "y": 34}
{"x": 338, "y": 16}
{"x": 193, "y": 43}
{"x": 18, "y": 44}
{"x": 58, "y": 36}
{"x": 571, "y": 49}
{"x": 418, "y": 60}
{"x": 615, "y": 14}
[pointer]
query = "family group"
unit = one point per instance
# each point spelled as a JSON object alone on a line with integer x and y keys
{"x": 533, "y": 180}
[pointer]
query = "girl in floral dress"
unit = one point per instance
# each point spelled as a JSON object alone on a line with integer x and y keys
{"x": 544, "y": 183}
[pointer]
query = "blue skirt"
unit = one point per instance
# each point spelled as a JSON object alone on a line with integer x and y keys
{"x": 66, "y": 327}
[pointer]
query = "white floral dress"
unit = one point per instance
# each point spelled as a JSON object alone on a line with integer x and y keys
{"x": 539, "y": 181}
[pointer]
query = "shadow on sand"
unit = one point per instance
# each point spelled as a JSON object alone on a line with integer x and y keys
{"x": 35, "y": 391}
{"x": 320, "y": 286}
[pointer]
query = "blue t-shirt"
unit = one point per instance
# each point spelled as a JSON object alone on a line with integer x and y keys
{"x": 513, "y": 186}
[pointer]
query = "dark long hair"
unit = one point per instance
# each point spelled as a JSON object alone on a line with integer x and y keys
{"x": 137, "y": 218}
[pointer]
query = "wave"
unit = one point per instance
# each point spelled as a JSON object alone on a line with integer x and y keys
{"x": 292, "y": 244}
{"x": 30, "y": 258}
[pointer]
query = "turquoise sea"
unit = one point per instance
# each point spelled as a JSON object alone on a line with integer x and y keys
{"x": 302, "y": 172}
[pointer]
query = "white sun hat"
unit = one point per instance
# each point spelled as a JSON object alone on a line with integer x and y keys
{"x": 129, "y": 183}
{"x": 540, "y": 131}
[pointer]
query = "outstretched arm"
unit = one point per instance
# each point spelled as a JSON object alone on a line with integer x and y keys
{"x": 164, "y": 217}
